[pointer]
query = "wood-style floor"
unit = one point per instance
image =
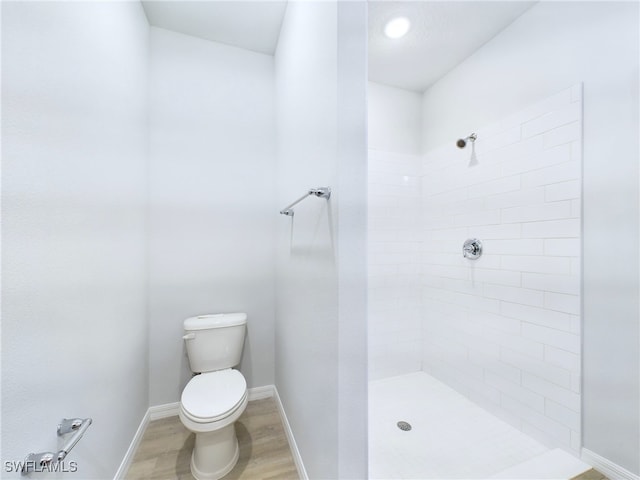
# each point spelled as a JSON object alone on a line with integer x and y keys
{"x": 165, "y": 450}
{"x": 590, "y": 475}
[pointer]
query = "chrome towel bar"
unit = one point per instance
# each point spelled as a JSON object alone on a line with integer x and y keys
{"x": 321, "y": 192}
{"x": 36, "y": 462}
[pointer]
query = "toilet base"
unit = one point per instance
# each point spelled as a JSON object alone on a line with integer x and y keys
{"x": 215, "y": 453}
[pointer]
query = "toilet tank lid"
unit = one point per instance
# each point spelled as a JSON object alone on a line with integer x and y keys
{"x": 217, "y": 320}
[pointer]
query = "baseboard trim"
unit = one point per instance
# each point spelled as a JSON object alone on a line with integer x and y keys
{"x": 297, "y": 458}
{"x": 167, "y": 410}
{"x": 157, "y": 412}
{"x": 258, "y": 393}
{"x": 133, "y": 447}
{"x": 606, "y": 466}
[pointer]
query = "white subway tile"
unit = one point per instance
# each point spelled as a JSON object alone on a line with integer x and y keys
{"x": 486, "y": 144}
{"x": 517, "y": 198}
{"x": 551, "y": 373}
{"x": 562, "y": 172}
{"x": 562, "y": 247}
{"x": 561, "y": 358}
{"x": 483, "y": 395}
{"x": 540, "y": 159}
{"x": 481, "y": 218}
{"x": 576, "y": 442}
{"x": 576, "y": 92}
{"x": 576, "y": 150}
{"x": 565, "y": 134}
{"x": 563, "y": 191}
{"x": 447, "y": 271}
{"x": 537, "y": 264}
{"x": 554, "y": 429}
{"x": 515, "y": 391}
{"x": 576, "y": 208}
{"x": 464, "y": 206}
{"x": 552, "y": 229}
{"x": 538, "y": 109}
{"x": 486, "y": 232}
{"x": 498, "y": 277}
{"x": 539, "y": 316}
{"x": 485, "y": 261}
{"x": 514, "y": 294}
{"x": 498, "y": 322}
{"x": 514, "y": 247}
{"x": 562, "y": 302}
{"x": 501, "y": 185}
{"x": 515, "y": 342}
{"x": 532, "y": 213}
{"x": 474, "y": 302}
{"x": 551, "y": 336}
{"x": 493, "y": 366}
{"x": 552, "y": 283}
{"x": 576, "y": 382}
{"x": 552, "y": 120}
{"x": 446, "y": 197}
{"x": 517, "y": 152}
{"x": 561, "y": 395}
{"x": 448, "y": 234}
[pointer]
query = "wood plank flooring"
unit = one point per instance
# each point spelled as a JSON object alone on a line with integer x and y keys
{"x": 590, "y": 475}
{"x": 165, "y": 450}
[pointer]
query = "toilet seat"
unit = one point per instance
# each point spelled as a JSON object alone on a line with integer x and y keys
{"x": 213, "y": 396}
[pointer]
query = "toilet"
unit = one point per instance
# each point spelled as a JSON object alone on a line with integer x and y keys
{"x": 213, "y": 400}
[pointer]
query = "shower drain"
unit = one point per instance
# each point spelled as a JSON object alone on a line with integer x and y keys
{"x": 404, "y": 426}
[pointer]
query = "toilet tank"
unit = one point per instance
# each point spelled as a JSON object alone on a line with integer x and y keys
{"x": 214, "y": 342}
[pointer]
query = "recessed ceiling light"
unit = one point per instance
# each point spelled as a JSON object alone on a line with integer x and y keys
{"x": 397, "y": 27}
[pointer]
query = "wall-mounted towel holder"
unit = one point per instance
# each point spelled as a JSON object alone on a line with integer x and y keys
{"x": 321, "y": 192}
{"x": 44, "y": 461}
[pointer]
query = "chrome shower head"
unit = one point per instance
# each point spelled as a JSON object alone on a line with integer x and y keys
{"x": 462, "y": 142}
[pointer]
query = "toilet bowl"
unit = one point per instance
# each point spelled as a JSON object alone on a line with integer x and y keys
{"x": 215, "y": 398}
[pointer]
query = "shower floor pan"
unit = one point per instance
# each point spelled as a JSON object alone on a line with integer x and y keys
{"x": 451, "y": 437}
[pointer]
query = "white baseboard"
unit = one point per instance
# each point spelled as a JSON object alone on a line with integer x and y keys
{"x": 607, "y": 467}
{"x": 167, "y": 410}
{"x": 297, "y": 458}
{"x": 258, "y": 393}
{"x": 133, "y": 447}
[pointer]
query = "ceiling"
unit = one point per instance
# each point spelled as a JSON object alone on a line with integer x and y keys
{"x": 253, "y": 25}
{"x": 443, "y": 34}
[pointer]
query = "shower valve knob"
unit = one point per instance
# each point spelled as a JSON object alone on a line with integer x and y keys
{"x": 472, "y": 249}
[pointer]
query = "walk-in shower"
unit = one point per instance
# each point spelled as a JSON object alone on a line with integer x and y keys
{"x": 476, "y": 266}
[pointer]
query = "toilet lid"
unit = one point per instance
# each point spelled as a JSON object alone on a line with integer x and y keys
{"x": 213, "y": 394}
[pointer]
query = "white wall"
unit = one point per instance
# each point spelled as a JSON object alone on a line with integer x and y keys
{"x": 504, "y": 329}
{"x": 394, "y": 119}
{"x": 394, "y": 247}
{"x": 319, "y": 349}
{"x": 74, "y": 149}
{"x": 212, "y": 207}
{"x": 552, "y": 46}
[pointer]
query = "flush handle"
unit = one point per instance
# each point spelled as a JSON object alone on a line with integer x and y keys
{"x": 189, "y": 336}
{"x": 472, "y": 249}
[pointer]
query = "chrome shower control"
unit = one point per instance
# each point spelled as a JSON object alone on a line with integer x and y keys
{"x": 472, "y": 249}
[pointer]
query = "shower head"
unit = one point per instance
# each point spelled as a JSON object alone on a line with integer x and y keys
{"x": 462, "y": 142}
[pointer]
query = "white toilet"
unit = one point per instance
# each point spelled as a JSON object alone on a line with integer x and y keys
{"x": 212, "y": 401}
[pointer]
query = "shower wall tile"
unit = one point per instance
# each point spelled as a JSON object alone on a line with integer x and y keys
{"x": 395, "y": 259}
{"x": 505, "y": 329}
